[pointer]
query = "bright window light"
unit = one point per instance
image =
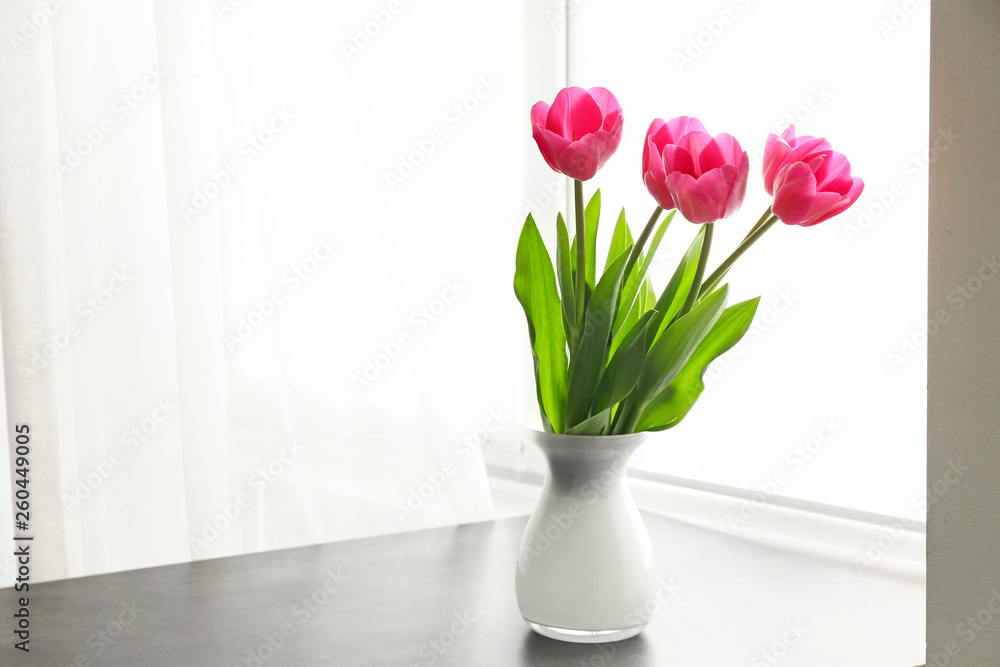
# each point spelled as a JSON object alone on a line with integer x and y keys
{"x": 825, "y": 399}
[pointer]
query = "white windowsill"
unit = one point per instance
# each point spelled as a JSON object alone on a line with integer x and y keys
{"x": 848, "y": 585}
{"x": 880, "y": 545}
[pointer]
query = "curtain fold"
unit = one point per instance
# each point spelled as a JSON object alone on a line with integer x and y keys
{"x": 227, "y": 330}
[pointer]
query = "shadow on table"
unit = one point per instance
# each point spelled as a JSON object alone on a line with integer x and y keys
{"x": 536, "y": 650}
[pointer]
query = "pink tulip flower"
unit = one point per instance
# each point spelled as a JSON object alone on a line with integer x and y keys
{"x": 686, "y": 168}
{"x": 579, "y": 132}
{"x": 809, "y": 180}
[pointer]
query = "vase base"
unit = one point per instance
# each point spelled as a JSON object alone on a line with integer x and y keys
{"x": 585, "y": 636}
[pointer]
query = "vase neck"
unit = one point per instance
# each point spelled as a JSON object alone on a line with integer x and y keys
{"x": 592, "y": 466}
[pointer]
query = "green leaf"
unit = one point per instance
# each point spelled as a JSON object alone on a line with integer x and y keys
{"x": 622, "y": 373}
{"x": 676, "y": 291}
{"x": 535, "y": 287}
{"x": 671, "y": 405}
{"x": 588, "y": 363}
{"x": 599, "y": 424}
{"x": 621, "y": 239}
{"x": 672, "y": 350}
{"x": 564, "y": 263}
{"x": 626, "y": 325}
{"x": 591, "y": 217}
{"x": 634, "y": 279}
{"x": 643, "y": 304}
{"x": 647, "y": 297}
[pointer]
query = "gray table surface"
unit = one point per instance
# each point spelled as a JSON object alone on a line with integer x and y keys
{"x": 445, "y": 596}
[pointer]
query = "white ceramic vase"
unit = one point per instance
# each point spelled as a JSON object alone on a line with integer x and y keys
{"x": 585, "y": 569}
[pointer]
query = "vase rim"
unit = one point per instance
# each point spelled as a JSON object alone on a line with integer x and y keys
{"x": 533, "y": 424}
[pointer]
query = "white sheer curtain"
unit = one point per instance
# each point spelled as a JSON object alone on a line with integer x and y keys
{"x": 255, "y": 264}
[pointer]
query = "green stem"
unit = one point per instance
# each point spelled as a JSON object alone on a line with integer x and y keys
{"x": 706, "y": 246}
{"x": 640, "y": 243}
{"x": 581, "y": 253}
{"x": 717, "y": 275}
{"x": 757, "y": 225}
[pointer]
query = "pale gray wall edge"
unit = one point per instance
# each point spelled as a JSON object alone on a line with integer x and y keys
{"x": 963, "y": 397}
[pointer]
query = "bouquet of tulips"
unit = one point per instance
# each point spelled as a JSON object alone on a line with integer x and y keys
{"x": 610, "y": 356}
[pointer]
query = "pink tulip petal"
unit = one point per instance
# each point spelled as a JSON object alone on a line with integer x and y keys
{"x": 603, "y": 145}
{"x": 857, "y": 187}
{"x": 789, "y": 137}
{"x": 693, "y": 202}
{"x": 662, "y": 134}
{"x": 804, "y": 139}
{"x": 657, "y": 186}
{"x": 814, "y": 161}
{"x": 694, "y": 143}
{"x": 650, "y": 152}
{"x": 717, "y": 184}
{"x": 675, "y": 158}
{"x": 675, "y": 128}
{"x": 654, "y": 129}
{"x": 776, "y": 150}
{"x": 794, "y": 192}
{"x": 605, "y": 100}
{"x": 577, "y": 163}
{"x": 613, "y": 124}
{"x": 722, "y": 149}
{"x": 584, "y": 157}
{"x": 654, "y": 162}
{"x": 574, "y": 114}
{"x": 651, "y": 157}
{"x": 550, "y": 145}
{"x": 539, "y": 113}
{"x": 806, "y": 147}
{"x": 834, "y": 174}
{"x": 739, "y": 187}
{"x": 825, "y": 206}
{"x": 824, "y": 210}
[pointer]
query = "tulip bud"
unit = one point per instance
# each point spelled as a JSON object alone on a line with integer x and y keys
{"x": 810, "y": 181}
{"x": 684, "y": 167}
{"x": 579, "y": 132}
